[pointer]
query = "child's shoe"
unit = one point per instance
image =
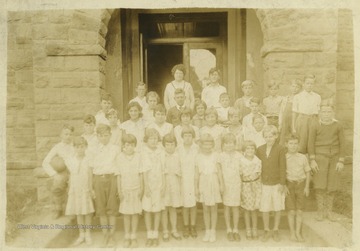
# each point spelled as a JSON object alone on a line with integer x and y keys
{"x": 276, "y": 236}
{"x": 206, "y": 236}
{"x": 88, "y": 239}
{"x": 80, "y": 240}
{"x": 127, "y": 243}
{"x": 104, "y": 240}
{"x": 155, "y": 242}
{"x": 186, "y": 232}
{"x": 248, "y": 234}
{"x": 165, "y": 236}
{"x": 148, "y": 242}
{"x": 266, "y": 236}
{"x": 134, "y": 243}
{"x": 212, "y": 236}
{"x": 230, "y": 236}
{"x": 236, "y": 236}
{"x": 176, "y": 235}
{"x": 111, "y": 241}
{"x": 193, "y": 232}
{"x": 255, "y": 234}
{"x": 299, "y": 237}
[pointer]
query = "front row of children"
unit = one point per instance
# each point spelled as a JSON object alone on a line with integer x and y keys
{"x": 160, "y": 179}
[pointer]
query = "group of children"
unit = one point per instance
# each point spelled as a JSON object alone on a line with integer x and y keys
{"x": 160, "y": 160}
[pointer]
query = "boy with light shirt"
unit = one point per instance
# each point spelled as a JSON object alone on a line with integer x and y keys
{"x": 255, "y": 109}
{"x": 243, "y": 103}
{"x": 103, "y": 164}
{"x": 272, "y": 104}
{"x": 305, "y": 109}
{"x": 141, "y": 92}
{"x": 223, "y": 109}
{"x": 89, "y": 131}
{"x": 297, "y": 183}
{"x": 58, "y": 170}
{"x": 106, "y": 104}
{"x": 211, "y": 93}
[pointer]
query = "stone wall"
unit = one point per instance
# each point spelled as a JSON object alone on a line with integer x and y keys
{"x": 345, "y": 84}
{"x": 20, "y": 115}
{"x": 299, "y": 42}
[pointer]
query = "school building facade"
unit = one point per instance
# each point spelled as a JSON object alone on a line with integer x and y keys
{"x": 60, "y": 60}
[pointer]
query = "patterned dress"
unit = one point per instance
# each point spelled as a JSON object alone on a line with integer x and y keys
{"x": 230, "y": 167}
{"x": 251, "y": 183}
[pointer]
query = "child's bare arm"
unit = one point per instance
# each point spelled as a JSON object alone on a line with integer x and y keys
{"x": 118, "y": 178}
{"x": 307, "y": 184}
{"x": 220, "y": 177}
{"x": 196, "y": 180}
{"x": 146, "y": 184}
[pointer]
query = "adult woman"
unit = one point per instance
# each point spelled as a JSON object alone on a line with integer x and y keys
{"x": 178, "y": 71}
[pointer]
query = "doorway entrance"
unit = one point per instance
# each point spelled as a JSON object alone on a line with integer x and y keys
{"x": 196, "y": 40}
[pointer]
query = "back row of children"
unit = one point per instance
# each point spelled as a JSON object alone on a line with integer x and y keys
{"x": 210, "y": 187}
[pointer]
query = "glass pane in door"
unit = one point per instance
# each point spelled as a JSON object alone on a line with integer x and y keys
{"x": 201, "y": 61}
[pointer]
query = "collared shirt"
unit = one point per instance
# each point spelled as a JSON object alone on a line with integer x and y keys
{"x": 222, "y": 113}
{"x": 273, "y": 105}
{"x": 297, "y": 166}
{"x": 103, "y": 159}
{"x": 248, "y": 121}
{"x": 306, "y": 103}
{"x": 169, "y": 94}
{"x": 210, "y": 94}
{"x": 62, "y": 150}
{"x": 142, "y": 101}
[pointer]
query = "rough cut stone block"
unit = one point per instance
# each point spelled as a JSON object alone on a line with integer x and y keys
{"x": 54, "y": 49}
{"x": 23, "y": 34}
{"x": 66, "y": 115}
{"x": 82, "y": 21}
{"x": 318, "y": 26}
{"x": 24, "y": 77}
{"x": 25, "y": 119}
{"x": 15, "y": 103}
{"x": 42, "y": 114}
{"x": 50, "y": 31}
{"x": 24, "y": 157}
{"x": 66, "y": 82}
{"x": 19, "y": 59}
{"x": 44, "y": 144}
{"x": 81, "y": 63}
{"x": 83, "y": 95}
{"x": 345, "y": 76}
{"x": 24, "y": 141}
{"x": 292, "y": 46}
{"x": 282, "y": 33}
{"x": 48, "y": 128}
{"x": 283, "y": 60}
{"x": 47, "y": 96}
{"x": 39, "y": 17}
{"x": 60, "y": 16}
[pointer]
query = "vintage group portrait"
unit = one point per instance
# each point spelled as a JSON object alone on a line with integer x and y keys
{"x": 180, "y": 127}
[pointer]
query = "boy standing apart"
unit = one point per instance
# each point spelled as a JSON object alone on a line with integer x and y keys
{"x": 305, "y": 109}
{"x": 297, "y": 182}
{"x": 58, "y": 171}
{"x": 243, "y": 103}
{"x": 326, "y": 153}
{"x": 211, "y": 93}
{"x": 106, "y": 104}
{"x": 141, "y": 92}
{"x": 104, "y": 166}
{"x": 273, "y": 177}
{"x": 255, "y": 109}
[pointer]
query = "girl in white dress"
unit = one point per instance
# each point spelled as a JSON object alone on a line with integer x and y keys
{"x": 135, "y": 125}
{"x": 160, "y": 124}
{"x": 152, "y": 167}
{"x": 188, "y": 152}
{"x": 251, "y": 188}
{"x": 212, "y": 128}
{"x": 172, "y": 197}
{"x": 229, "y": 161}
{"x": 209, "y": 184}
{"x": 130, "y": 188}
{"x": 80, "y": 190}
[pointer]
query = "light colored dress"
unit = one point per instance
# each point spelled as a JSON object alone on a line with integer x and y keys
{"x": 187, "y": 164}
{"x": 209, "y": 187}
{"x": 238, "y": 131}
{"x": 79, "y": 198}
{"x": 164, "y": 129}
{"x": 129, "y": 171}
{"x": 135, "y": 128}
{"x": 172, "y": 172}
{"x": 230, "y": 167}
{"x": 251, "y": 183}
{"x": 151, "y": 161}
{"x": 216, "y": 132}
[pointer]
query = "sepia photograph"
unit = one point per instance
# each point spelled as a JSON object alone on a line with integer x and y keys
{"x": 174, "y": 126}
